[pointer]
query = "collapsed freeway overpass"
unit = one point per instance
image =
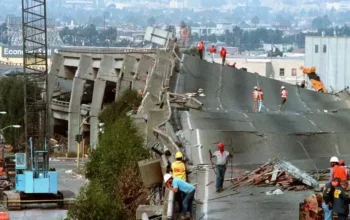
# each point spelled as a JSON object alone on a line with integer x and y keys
{"x": 314, "y": 127}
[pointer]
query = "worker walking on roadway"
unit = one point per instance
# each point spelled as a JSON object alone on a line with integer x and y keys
{"x": 221, "y": 165}
{"x": 223, "y": 53}
{"x": 212, "y": 52}
{"x": 178, "y": 169}
{"x": 200, "y": 49}
{"x": 260, "y": 98}
{"x": 178, "y": 185}
{"x": 255, "y": 99}
{"x": 284, "y": 96}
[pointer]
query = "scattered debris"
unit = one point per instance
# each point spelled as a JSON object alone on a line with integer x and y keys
{"x": 274, "y": 192}
{"x": 69, "y": 172}
{"x": 280, "y": 173}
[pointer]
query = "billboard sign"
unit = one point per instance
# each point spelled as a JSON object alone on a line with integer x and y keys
{"x": 17, "y": 51}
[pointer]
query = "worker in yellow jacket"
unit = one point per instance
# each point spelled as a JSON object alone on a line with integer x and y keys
{"x": 179, "y": 171}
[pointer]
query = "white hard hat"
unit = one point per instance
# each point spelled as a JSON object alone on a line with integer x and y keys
{"x": 255, "y": 87}
{"x": 334, "y": 160}
{"x": 282, "y": 87}
{"x": 212, "y": 44}
{"x": 167, "y": 177}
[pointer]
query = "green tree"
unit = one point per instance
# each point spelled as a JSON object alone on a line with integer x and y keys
{"x": 255, "y": 20}
{"x": 321, "y": 22}
{"x": 12, "y": 101}
{"x": 151, "y": 21}
{"x": 113, "y": 171}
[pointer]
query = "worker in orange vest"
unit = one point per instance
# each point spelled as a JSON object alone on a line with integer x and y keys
{"x": 284, "y": 96}
{"x": 342, "y": 163}
{"x": 223, "y": 53}
{"x": 255, "y": 99}
{"x": 260, "y": 98}
{"x": 338, "y": 171}
{"x": 200, "y": 48}
{"x": 212, "y": 52}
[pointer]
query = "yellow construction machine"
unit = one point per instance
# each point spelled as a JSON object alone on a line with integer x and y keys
{"x": 315, "y": 80}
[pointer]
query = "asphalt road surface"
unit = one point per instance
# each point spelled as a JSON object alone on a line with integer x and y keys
{"x": 313, "y": 128}
{"x": 65, "y": 182}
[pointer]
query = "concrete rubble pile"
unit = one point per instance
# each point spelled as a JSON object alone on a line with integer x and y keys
{"x": 278, "y": 173}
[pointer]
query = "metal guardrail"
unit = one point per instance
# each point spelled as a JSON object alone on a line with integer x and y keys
{"x": 66, "y": 104}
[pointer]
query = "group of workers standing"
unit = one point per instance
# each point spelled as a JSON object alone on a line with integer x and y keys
{"x": 184, "y": 191}
{"x": 258, "y": 97}
{"x": 335, "y": 199}
{"x": 212, "y": 50}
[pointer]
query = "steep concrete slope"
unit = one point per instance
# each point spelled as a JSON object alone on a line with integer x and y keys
{"x": 309, "y": 131}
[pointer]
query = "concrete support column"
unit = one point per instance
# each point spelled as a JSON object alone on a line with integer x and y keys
{"x": 97, "y": 99}
{"x": 57, "y": 64}
{"x": 105, "y": 73}
{"x": 83, "y": 73}
{"x": 74, "y": 113}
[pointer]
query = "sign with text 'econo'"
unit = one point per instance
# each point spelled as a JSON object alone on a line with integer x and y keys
{"x": 17, "y": 52}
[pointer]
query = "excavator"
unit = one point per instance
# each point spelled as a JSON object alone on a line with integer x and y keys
{"x": 315, "y": 80}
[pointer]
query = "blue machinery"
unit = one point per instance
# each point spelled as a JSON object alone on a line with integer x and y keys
{"x": 36, "y": 186}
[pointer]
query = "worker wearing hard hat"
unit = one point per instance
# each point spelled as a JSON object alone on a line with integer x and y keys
{"x": 223, "y": 54}
{"x": 212, "y": 52}
{"x": 337, "y": 171}
{"x": 284, "y": 96}
{"x": 221, "y": 163}
{"x": 200, "y": 49}
{"x": 255, "y": 99}
{"x": 260, "y": 98}
{"x": 342, "y": 163}
{"x": 178, "y": 169}
{"x": 178, "y": 185}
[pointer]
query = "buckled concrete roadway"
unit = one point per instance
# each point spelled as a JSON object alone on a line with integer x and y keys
{"x": 313, "y": 128}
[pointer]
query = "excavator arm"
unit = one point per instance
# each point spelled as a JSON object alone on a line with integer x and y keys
{"x": 315, "y": 80}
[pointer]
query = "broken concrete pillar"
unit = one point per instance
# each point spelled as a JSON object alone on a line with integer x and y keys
{"x": 150, "y": 210}
{"x": 105, "y": 73}
{"x": 151, "y": 172}
{"x": 83, "y": 73}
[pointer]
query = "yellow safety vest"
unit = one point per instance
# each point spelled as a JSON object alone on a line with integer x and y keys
{"x": 179, "y": 170}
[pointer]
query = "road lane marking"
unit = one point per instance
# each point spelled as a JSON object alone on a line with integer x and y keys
{"x": 189, "y": 121}
{"x": 206, "y": 181}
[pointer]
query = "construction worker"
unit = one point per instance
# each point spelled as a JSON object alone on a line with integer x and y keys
{"x": 178, "y": 169}
{"x": 341, "y": 201}
{"x": 221, "y": 162}
{"x": 337, "y": 171}
{"x": 200, "y": 48}
{"x": 234, "y": 65}
{"x": 223, "y": 53}
{"x": 255, "y": 99}
{"x": 284, "y": 96}
{"x": 178, "y": 185}
{"x": 342, "y": 163}
{"x": 328, "y": 198}
{"x": 260, "y": 98}
{"x": 212, "y": 52}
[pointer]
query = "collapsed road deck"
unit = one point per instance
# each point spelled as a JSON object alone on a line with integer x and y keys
{"x": 313, "y": 127}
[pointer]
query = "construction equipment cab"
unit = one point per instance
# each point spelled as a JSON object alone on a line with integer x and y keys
{"x": 315, "y": 80}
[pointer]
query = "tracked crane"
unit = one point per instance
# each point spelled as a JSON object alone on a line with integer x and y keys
{"x": 36, "y": 183}
{"x": 315, "y": 80}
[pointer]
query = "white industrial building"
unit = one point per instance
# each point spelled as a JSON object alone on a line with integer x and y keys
{"x": 286, "y": 69}
{"x": 330, "y": 56}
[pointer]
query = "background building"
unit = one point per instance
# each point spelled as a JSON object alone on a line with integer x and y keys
{"x": 330, "y": 57}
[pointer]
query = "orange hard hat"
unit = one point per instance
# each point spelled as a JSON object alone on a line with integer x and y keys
{"x": 341, "y": 162}
{"x": 220, "y": 145}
